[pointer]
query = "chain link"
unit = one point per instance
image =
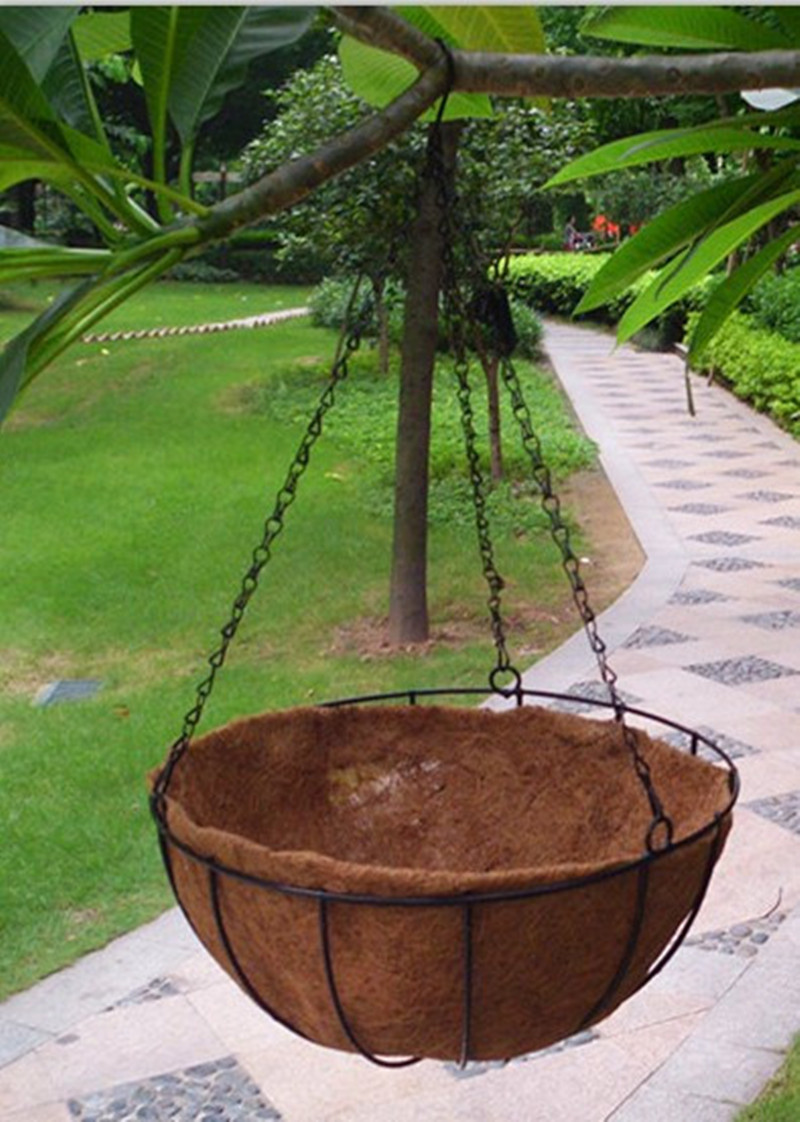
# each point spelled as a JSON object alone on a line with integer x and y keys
{"x": 349, "y": 342}
{"x": 455, "y": 315}
{"x": 660, "y": 832}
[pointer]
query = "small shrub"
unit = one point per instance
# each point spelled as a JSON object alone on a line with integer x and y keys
{"x": 528, "y": 327}
{"x": 202, "y": 272}
{"x": 554, "y": 283}
{"x": 775, "y": 304}
{"x": 760, "y": 366}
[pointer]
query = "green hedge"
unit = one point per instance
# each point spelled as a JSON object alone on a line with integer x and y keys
{"x": 760, "y": 367}
{"x": 775, "y": 304}
{"x": 555, "y": 282}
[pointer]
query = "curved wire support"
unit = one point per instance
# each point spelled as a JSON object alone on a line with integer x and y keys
{"x": 336, "y": 1000}
{"x": 236, "y": 966}
{"x": 621, "y": 973}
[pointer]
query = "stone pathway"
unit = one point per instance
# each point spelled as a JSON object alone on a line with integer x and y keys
{"x": 150, "y": 1029}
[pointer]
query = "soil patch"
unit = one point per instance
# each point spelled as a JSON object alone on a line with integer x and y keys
{"x": 609, "y": 564}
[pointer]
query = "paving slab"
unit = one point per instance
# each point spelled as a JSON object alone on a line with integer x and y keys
{"x": 709, "y": 635}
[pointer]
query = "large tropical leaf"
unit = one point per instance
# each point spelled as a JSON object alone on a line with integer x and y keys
{"x": 735, "y": 287}
{"x": 379, "y": 77}
{"x": 696, "y": 262}
{"x": 99, "y": 34}
{"x": 224, "y": 44}
{"x": 666, "y": 144}
{"x": 37, "y": 34}
{"x": 684, "y": 26}
{"x": 679, "y": 226}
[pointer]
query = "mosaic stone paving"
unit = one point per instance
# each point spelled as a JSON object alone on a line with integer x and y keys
{"x": 700, "y": 508}
{"x": 729, "y": 564}
{"x": 766, "y": 496}
{"x": 789, "y": 521}
{"x": 723, "y": 537}
{"x": 153, "y": 991}
{"x": 793, "y": 583}
{"x": 671, "y": 464}
{"x": 651, "y": 636}
{"x": 219, "y": 1091}
{"x": 734, "y": 748}
{"x": 742, "y": 939}
{"x": 684, "y": 484}
{"x": 774, "y": 621}
{"x": 595, "y": 690}
{"x": 480, "y": 1068}
{"x": 738, "y": 671}
{"x": 697, "y": 596}
{"x": 783, "y": 810}
{"x": 721, "y": 454}
{"x": 745, "y": 473}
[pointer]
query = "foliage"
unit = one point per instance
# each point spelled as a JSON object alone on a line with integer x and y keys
{"x": 761, "y": 367}
{"x": 694, "y": 236}
{"x": 528, "y": 327}
{"x": 51, "y": 130}
{"x": 774, "y": 303}
{"x": 557, "y": 283}
{"x": 355, "y": 221}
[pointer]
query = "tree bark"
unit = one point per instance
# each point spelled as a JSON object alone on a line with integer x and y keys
{"x": 408, "y": 599}
{"x": 495, "y": 441}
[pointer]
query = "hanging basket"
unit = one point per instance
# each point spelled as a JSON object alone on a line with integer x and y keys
{"x": 452, "y": 883}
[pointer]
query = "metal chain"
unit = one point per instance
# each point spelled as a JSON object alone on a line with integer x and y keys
{"x": 660, "y": 832}
{"x": 349, "y": 342}
{"x": 455, "y": 318}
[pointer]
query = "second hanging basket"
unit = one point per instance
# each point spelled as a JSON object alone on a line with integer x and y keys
{"x": 453, "y": 883}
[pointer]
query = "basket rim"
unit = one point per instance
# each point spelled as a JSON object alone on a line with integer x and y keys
{"x": 571, "y": 875}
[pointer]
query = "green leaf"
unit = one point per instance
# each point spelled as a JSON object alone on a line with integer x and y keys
{"x": 733, "y": 290}
{"x": 678, "y": 227}
{"x": 696, "y": 262}
{"x": 379, "y": 77}
{"x": 666, "y": 144}
{"x": 99, "y": 34}
{"x": 260, "y": 31}
{"x": 482, "y": 27}
{"x": 789, "y": 19}
{"x": 37, "y": 34}
{"x": 683, "y": 26}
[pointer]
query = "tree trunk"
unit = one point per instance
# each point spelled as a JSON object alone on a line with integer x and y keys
{"x": 408, "y": 599}
{"x": 25, "y": 197}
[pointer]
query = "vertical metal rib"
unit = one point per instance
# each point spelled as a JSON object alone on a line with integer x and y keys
{"x": 466, "y": 1021}
{"x": 327, "y": 958}
{"x": 597, "y": 1009}
{"x": 236, "y": 966}
{"x": 713, "y": 854}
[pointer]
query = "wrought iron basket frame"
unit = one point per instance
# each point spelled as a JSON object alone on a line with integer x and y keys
{"x": 465, "y": 901}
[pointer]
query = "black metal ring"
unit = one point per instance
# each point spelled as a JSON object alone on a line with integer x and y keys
{"x": 506, "y": 691}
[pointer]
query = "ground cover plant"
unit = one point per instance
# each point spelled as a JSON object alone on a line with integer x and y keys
{"x": 135, "y": 480}
{"x": 760, "y": 366}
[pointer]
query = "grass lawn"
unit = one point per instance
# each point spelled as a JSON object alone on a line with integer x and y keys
{"x": 134, "y": 481}
{"x": 780, "y": 1101}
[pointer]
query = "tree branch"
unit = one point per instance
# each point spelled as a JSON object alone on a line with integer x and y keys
{"x": 509, "y": 75}
{"x": 291, "y": 182}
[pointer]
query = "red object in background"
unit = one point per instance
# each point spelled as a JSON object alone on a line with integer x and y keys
{"x": 600, "y": 222}
{"x": 612, "y": 229}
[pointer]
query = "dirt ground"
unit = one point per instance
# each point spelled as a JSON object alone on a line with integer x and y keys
{"x": 609, "y": 564}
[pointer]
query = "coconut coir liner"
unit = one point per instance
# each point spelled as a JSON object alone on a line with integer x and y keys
{"x": 419, "y": 801}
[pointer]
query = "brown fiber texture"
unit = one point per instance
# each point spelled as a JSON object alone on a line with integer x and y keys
{"x": 421, "y": 801}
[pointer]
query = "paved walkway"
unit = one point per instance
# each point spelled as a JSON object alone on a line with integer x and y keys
{"x": 149, "y": 1028}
